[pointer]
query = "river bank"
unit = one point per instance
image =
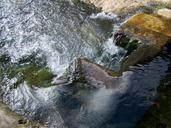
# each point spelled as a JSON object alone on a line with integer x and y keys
{"x": 125, "y": 6}
{"x": 9, "y": 119}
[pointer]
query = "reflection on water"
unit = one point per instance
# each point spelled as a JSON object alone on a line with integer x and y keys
{"x": 52, "y": 33}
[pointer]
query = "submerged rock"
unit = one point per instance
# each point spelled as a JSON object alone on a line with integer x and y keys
{"x": 34, "y": 75}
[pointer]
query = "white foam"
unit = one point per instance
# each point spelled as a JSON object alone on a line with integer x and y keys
{"x": 103, "y": 15}
{"x": 110, "y": 47}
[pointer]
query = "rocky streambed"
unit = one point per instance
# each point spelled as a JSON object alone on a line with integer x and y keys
{"x": 67, "y": 64}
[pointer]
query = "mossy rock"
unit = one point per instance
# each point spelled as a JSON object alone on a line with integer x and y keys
{"x": 143, "y": 36}
{"x": 126, "y": 43}
{"x": 151, "y": 22}
{"x": 138, "y": 51}
{"x": 31, "y": 69}
{"x": 142, "y": 54}
{"x": 33, "y": 75}
{"x": 159, "y": 114}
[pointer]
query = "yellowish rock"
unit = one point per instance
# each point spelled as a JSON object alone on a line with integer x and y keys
{"x": 165, "y": 13}
{"x": 153, "y": 31}
{"x": 150, "y": 22}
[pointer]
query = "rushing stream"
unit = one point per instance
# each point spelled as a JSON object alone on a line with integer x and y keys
{"x": 52, "y": 34}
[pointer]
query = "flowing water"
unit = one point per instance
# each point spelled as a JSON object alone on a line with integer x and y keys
{"x": 52, "y": 34}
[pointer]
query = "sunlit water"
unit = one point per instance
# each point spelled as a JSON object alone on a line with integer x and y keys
{"x": 56, "y": 32}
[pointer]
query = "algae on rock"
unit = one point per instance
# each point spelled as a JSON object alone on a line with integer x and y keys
{"x": 33, "y": 75}
{"x": 29, "y": 69}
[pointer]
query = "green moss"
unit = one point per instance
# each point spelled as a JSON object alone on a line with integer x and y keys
{"x": 11, "y": 72}
{"x": 29, "y": 68}
{"x": 43, "y": 76}
{"x": 33, "y": 75}
{"x": 127, "y": 44}
{"x": 123, "y": 41}
{"x": 159, "y": 114}
{"x": 131, "y": 46}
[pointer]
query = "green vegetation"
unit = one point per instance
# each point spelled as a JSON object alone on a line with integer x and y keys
{"x": 28, "y": 69}
{"x": 34, "y": 75}
{"x": 128, "y": 44}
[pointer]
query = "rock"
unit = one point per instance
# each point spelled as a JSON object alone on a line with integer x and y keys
{"x": 32, "y": 74}
{"x": 97, "y": 76}
{"x": 152, "y": 32}
{"x": 148, "y": 22}
{"x": 121, "y": 6}
{"x": 9, "y": 119}
{"x": 112, "y": 5}
{"x": 165, "y": 13}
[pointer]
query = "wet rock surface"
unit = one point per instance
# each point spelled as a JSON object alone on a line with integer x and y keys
{"x": 98, "y": 76}
{"x": 9, "y": 119}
